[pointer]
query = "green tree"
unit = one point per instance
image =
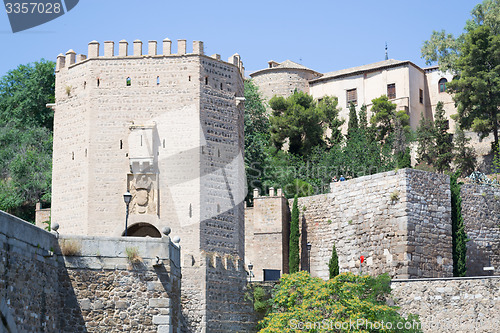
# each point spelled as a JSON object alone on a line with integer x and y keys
{"x": 363, "y": 118}
{"x": 347, "y": 298}
{"x": 353, "y": 119}
{"x": 24, "y": 93}
{"x": 257, "y": 137}
{"x": 328, "y": 108}
{"x": 294, "y": 252}
{"x": 459, "y": 237}
{"x": 25, "y": 166}
{"x": 464, "y": 155}
{"x": 474, "y": 58}
{"x": 384, "y": 118}
{"x": 333, "y": 264}
{"x": 401, "y": 150}
{"x": 496, "y": 160}
{"x": 442, "y": 150}
{"x": 426, "y": 141}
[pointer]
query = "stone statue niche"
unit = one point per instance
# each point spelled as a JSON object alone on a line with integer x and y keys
{"x": 144, "y": 190}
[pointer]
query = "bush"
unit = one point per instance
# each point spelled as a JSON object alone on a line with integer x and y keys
{"x": 344, "y": 299}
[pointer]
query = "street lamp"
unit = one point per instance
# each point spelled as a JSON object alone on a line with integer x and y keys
{"x": 309, "y": 245}
{"x": 127, "y": 197}
{"x": 250, "y": 273}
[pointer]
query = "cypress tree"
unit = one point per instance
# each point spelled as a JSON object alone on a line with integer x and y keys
{"x": 443, "y": 148}
{"x": 333, "y": 264}
{"x": 459, "y": 238}
{"x": 464, "y": 155}
{"x": 352, "y": 125}
{"x": 363, "y": 118}
{"x": 294, "y": 255}
{"x": 425, "y": 138}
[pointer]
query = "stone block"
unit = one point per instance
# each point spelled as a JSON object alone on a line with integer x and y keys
{"x": 161, "y": 320}
{"x": 159, "y": 302}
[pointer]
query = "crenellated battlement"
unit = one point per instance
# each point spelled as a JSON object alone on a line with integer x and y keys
{"x": 138, "y": 50}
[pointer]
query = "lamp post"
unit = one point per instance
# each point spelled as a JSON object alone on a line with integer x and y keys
{"x": 309, "y": 245}
{"x": 127, "y": 197}
{"x": 250, "y": 273}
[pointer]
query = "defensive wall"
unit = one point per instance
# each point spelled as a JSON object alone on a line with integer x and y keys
{"x": 451, "y": 305}
{"x": 95, "y": 287}
{"x": 399, "y": 221}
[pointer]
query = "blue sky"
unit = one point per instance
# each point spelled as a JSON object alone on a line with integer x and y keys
{"x": 322, "y": 35}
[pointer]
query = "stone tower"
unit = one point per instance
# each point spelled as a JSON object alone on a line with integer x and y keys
{"x": 168, "y": 128}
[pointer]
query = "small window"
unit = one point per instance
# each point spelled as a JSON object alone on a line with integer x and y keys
{"x": 129, "y": 82}
{"x": 84, "y": 84}
{"x": 98, "y": 82}
{"x": 421, "y": 96}
{"x": 121, "y": 144}
{"x": 391, "y": 91}
{"x": 442, "y": 85}
{"x": 206, "y": 79}
{"x": 221, "y": 86}
{"x": 189, "y": 78}
{"x": 157, "y": 80}
{"x": 352, "y": 97}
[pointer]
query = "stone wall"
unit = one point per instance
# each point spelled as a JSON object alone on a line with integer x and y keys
{"x": 481, "y": 214}
{"x": 399, "y": 221}
{"x": 93, "y": 288}
{"x": 451, "y": 305}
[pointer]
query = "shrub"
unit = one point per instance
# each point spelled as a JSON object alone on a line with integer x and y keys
{"x": 333, "y": 264}
{"x": 133, "y": 255}
{"x": 344, "y": 299}
{"x": 70, "y": 247}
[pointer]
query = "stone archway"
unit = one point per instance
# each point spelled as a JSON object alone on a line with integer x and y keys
{"x": 143, "y": 229}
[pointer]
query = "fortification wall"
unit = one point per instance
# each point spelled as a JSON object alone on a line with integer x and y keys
{"x": 399, "y": 221}
{"x": 481, "y": 215}
{"x": 95, "y": 288}
{"x": 451, "y": 305}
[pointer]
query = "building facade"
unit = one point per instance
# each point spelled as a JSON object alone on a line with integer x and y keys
{"x": 411, "y": 88}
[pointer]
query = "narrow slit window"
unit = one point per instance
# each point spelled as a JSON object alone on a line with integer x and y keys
{"x": 84, "y": 84}
{"x": 206, "y": 79}
{"x": 141, "y": 140}
{"x": 221, "y": 86}
{"x": 421, "y": 96}
{"x": 157, "y": 80}
{"x": 163, "y": 143}
{"x": 121, "y": 144}
{"x": 73, "y": 156}
{"x": 129, "y": 81}
{"x": 189, "y": 78}
{"x": 190, "y": 210}
{"x": 98, "y": 82}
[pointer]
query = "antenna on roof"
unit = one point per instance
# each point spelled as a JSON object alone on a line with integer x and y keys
{"x": 386, "y": 54}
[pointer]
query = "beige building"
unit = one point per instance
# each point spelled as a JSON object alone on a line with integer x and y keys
{"x": 410, "y": 87}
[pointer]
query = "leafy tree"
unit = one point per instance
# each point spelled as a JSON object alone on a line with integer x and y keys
{"x": 342, "y": 300}
{"x": 442, "y": 149}
{"x": 294, "y": 254}
{"x": 384, "y": 118}
{"x": 299, "y": 188}
{"x": 353, "y": 119}
{"x": 464, "y": 155}
{"x": 474, "y": 58}
{"x": 333, "y": 264}
{"x": 24, "y": 92}
{"x": 328, "y": 107}
{"x": 256, "y": 137}
{"x": 25, "y": 169}
{"x": 302, "y": 121}
{"x": 426, "y": 141}
{"x": 459, "y": 237}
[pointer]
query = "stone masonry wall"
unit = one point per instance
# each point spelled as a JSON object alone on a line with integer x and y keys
{"x": 481, "y": 214}
{"x": 405, "y": 234}
{"x": 94, "y": 288}
{"x": 451, "y": 305}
